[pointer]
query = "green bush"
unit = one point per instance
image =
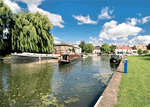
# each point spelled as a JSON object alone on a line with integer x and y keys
{"x": 145, "y": 51}
{"x": 140, "y": 52}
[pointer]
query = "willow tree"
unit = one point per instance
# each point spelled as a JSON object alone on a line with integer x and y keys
{"x": 5, "y": 23}
{"x": 31, "y": 33}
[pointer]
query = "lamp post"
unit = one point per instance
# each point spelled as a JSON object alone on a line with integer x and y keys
{"x": 125, "y": 65}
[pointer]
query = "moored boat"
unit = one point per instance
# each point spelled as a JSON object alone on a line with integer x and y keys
{"x": 115, "y": 58}
{"x": 67, "y": 59}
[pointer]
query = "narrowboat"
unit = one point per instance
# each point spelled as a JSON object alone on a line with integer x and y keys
{"x": 67, "y": 59}
{"x": 115, "y": 58}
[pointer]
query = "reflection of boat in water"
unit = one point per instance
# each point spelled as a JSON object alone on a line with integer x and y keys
{"x": 114, "y": 66}
{"x": 67, "y": 59}
{"x": 115, "y": 58}
{"x": 85, "y": 56}
{"x": 67, "y": 68}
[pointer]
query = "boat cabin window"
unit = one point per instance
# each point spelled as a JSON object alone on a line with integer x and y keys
{"x": 65, "y": 57}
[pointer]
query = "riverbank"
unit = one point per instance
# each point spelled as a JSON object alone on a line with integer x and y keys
{"x": 134, "y": 89}
{"x": 109, "y": 96}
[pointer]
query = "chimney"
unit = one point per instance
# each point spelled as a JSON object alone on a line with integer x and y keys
{"x": 69, "y": 43}
{"x": 128, "y": 45}
{"x": 61, "y": 42}
{"x": 123, "y": 45}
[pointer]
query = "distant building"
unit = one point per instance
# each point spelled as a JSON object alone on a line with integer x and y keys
{"x": 123, "y": 50}
{"x": 96, "y": 50}
{"x": 77, "y": 49}
{"x": 142, "y": 47}
{"x": 63, "y": 47}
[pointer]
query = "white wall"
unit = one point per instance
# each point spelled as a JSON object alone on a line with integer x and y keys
{"x": 96, "y": 51}
{"x": 124, "y": 51}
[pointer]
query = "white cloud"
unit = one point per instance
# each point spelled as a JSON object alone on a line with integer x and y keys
{"x": 56, "y": 38}
{"x": 55, "y": 19}
{"x": 96, "y": 41}
{"x": 13, "y": 6}
{"x": 145, "y": 19}
{"x": 29, "y": 2}
{"x": 140, "y": 40}
{"x": 133, "y": 21}
{"x": 77, "y": 42}
{"x": 113, "y": 31}
{"x": 123, "y": 39}
{"x": 5, "y": 31}
{"x": 84, "y": 20}
{"x": 105, "y": 13}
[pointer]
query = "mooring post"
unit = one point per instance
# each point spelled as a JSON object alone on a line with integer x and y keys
{"x": 125, "y": 65}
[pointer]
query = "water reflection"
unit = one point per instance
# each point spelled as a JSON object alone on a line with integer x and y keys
{"x": 114, "y": 66}
{"x": 42, "y": 83}
{"x": 67, "y": 69}
{"x": 27, "y": 83}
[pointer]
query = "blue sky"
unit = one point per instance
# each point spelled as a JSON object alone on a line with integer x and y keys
{"x": 119, "y": 22}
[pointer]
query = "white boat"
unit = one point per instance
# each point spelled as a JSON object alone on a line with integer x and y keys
{"x": 32, "y": 56}
{"x": 85, "y": 56}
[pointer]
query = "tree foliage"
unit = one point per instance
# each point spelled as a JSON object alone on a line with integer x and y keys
{"x": 5, "y": 22}
{"x": 148, "y": 46}
{"x": 112, "y": 48}
{"x": 140, "y": 51}
{"x": 31, "y": 33}
{"x": 82, "y": 45}
{"x": 105, "y": 48}
{"x": 89, "y": 48}
{"x": 145, "y": 51}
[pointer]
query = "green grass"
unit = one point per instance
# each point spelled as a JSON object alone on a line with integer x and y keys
{"x": 134, "y": 89}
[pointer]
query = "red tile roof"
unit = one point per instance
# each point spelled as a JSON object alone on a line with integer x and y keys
{"x": 125, "y": 47}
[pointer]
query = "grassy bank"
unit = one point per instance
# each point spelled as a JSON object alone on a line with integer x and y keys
{"x": 5, "y": 56}
{"x": 134, "y": 89}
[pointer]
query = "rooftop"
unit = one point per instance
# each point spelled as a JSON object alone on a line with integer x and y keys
{"x": 124, "y": 47}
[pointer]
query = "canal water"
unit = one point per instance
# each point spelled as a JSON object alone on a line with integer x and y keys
{"x": 45, "y": 83}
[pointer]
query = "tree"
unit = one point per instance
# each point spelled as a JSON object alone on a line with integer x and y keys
{"x": 140, "y": 52}
{"x": 31, "y": 33}
{"x": 89, "y": 48}
{"x": 148, "y": 46}
{"x": 5, "y": 24}
{"x": 145, "y": 51}
{"x": 105, "y": 48}
{"x": 112, "y": 48}
{"x": 82, "y": 45}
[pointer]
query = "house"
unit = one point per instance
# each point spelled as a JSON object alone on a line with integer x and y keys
{"x": 142, "y": 47}
{"x": 63, "y": 48}
{"x": 123, "y": 50}
{"x": 96, "y": 50}
{"x": 77, "y": 49}
{"x": 134, "y": 50}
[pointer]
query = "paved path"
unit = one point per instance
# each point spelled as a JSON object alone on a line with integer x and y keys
{"x": 109, "y": 96}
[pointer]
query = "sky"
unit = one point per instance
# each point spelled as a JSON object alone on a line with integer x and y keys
{"x": 117, "y": 22}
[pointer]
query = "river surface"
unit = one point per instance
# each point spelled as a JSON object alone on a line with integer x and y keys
{"x": 45, "y": 83}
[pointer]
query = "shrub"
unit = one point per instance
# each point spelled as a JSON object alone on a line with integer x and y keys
{"x": 140, "y": 52}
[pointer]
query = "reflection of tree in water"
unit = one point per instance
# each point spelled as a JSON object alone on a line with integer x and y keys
{"x": 87, "y": 61}
{"x": 104, "y": 58}
{"x": 26, "y": 88}
{"x": 104, "y": 78}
